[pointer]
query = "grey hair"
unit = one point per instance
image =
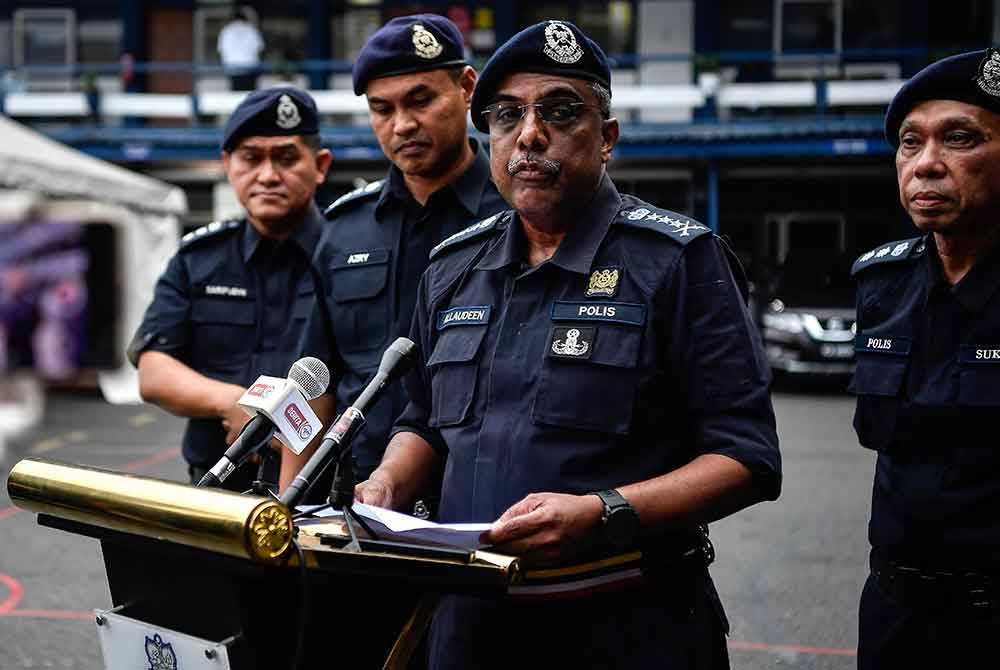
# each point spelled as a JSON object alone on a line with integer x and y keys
{"x": 603, "y": 95}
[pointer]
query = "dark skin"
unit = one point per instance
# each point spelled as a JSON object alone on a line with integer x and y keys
{"x": 948, "y": 167}
{"x": 419, "y": 119}
{"x": 548, "y": 528}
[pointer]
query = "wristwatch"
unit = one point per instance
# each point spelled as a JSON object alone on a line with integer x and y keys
{"x": 619, "y": 521}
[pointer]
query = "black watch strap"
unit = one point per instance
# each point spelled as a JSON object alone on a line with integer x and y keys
{"x": 612, "y": 499}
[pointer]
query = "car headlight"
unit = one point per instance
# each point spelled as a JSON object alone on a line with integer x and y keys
{"x": 786, "y": 322}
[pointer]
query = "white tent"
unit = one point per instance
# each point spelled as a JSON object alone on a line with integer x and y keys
{"x": 39, "y": 173}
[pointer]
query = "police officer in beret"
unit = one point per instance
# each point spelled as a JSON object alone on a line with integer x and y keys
{"x": 592, "y": 380}
{"x": 238, "y": 292}
{"x": 928, "y": 378}
{"x": 418, "y": 86}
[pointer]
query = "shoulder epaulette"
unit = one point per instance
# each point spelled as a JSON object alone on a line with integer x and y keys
{"x": 472, "y": 232}
{"x": 357, "y": 194}
{"x": 676, "y": 226}
{"x": 205, "y": 232}
{"x": 890, "y": 253}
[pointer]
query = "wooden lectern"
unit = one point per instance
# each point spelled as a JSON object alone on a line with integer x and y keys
{"x": 205, "y": 578}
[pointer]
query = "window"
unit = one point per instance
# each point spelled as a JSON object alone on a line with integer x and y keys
{"x": 45, "y": 37}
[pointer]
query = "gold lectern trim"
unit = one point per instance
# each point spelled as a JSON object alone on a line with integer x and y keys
{"x": 269, "y": 532}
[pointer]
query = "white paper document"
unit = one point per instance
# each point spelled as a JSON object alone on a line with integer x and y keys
{"x": 398, "y": 527}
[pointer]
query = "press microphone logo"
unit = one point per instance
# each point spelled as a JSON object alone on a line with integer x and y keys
{"x": 261, "y": 389}
{"x": 298, "y": 421}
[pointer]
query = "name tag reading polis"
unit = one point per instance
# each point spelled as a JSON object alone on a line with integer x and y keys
{"x": 473, "y": 315}
{"x": 633, "y": 314}
{"x": 882, "y": 344}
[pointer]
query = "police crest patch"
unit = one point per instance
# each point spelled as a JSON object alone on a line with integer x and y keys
{"x": 560, "y": 43}
{"x": 424, "y": 43}
{"x": 603, "y": 282}
{"x": 574, "y": 342}
{"x": 160, "y": 654}
{"x": 288, "y": 113}
{"x": 988, "y": 79}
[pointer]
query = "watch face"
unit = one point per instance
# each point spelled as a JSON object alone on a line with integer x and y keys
{"x": 621, "y": 529}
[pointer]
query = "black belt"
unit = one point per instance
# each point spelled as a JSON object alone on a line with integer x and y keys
{"x": 961, "y": 588}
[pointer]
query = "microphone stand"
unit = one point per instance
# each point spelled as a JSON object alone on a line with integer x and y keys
{"x": 342, "y": 498}
{"x": 265, "y": 484}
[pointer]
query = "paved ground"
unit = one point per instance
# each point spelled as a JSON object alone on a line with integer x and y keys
{"x": 789, "y": 572}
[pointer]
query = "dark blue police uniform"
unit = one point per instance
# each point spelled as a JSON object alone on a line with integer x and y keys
{"x": 624, "y": 356}
{"x": 228, "y": 304}
{"x": 371, "y": 257}
{"x": 928, "y": 387}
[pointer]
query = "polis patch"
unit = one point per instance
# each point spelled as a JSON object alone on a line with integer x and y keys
{"x": 572, "y": 342}
{"x": 882, "y": 344}
{"x": 633, "y": 314}
{"x": 473, "y": 315}
{"x": 979, "y": 354}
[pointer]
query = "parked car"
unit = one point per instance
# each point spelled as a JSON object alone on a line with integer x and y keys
{"x": 807, "y": 317}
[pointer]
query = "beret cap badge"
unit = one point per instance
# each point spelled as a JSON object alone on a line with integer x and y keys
{"x": 288, "y": 113}
{"x": 988, "y": 79}
{"x": 424, "y": 43}
{"x": 560, "y": 43}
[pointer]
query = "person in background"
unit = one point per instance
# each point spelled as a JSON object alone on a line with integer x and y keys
{"x": 240, "y": 45}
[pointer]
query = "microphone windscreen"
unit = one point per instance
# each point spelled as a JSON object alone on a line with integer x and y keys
{"x": 399, "y": 352}
{"x": 311, "y": 375}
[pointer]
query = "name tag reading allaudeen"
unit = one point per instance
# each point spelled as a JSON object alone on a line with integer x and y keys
{"x": 473, "y": 315}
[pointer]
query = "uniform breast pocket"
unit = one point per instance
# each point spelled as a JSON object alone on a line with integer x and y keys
{"x": 589, "y": 377}
{"x": 305, "y": 302}
{"x": 454, "y": 370}
{"x": 360, "y": 314}
{"x": 223, "y": 332}
{"x": 878, "y": 381}
{"x": 979, "y": 376}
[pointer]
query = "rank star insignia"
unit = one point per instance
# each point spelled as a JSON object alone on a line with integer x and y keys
{"x": 560, "y": 43}
{"x": 288, "y": 113}
{"x": 424, "y": 42}
{"x": 988, "y": 79}
{"x": 603, "y": 282}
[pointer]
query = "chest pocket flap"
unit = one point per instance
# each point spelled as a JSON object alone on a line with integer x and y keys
{"x": 223, "y": 311}
{"x": 359, "y": 275}
{"x": 454, "y": 368}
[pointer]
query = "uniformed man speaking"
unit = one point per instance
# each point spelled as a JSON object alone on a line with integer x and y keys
{"x": 928, "y": 379}
{"x": 234, "y": 299}
{"x": 590, "y": 376}
{"x": 418, "y": 85}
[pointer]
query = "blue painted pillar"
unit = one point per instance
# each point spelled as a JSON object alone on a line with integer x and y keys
{"x": 712, "y": 214}
{"x": 505, "y": 20}
{"x": 318, "y": 40}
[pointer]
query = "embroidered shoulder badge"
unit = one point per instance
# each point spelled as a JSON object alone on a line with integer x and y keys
{"x": 894, "y": 251}
{"x": 475, "y": 230}
{"x": 205, "y": 232}
{"x": 357, "y": 194}
{"x": 674, "y": 225}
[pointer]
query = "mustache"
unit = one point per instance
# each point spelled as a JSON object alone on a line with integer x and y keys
{"x": 396, "y": 146}
{"x": 535, "y": 162}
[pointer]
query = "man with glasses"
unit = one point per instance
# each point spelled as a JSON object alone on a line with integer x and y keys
{"x": 418, "y": 86}
{"x": 591, "y": 379}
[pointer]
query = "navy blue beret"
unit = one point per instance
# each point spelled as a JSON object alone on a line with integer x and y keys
{"x": 408, "y": 44}
{"x": 283, "y": 110}
{"x": 549, "y": 47}
{"x": 972, "y": 77}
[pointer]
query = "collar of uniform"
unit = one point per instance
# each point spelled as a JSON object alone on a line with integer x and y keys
{"x": 468, "y": 187}
{"x": 577, "y": 250}
{"x": 980, "y": 283}
{"x": 306, "y": 236}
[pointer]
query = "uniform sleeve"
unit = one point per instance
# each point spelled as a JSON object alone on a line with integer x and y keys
{"x": 716, "y": 347}
{"x": 165, "y": 326}
{"x": 415, "y": 418}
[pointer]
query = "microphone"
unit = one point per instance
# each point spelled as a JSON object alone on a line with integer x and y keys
{"x": 276, "y": 405}
{"x": 337, "y": 440}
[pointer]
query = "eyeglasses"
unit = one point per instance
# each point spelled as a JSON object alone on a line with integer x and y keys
{"x": 505, "y": 116}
